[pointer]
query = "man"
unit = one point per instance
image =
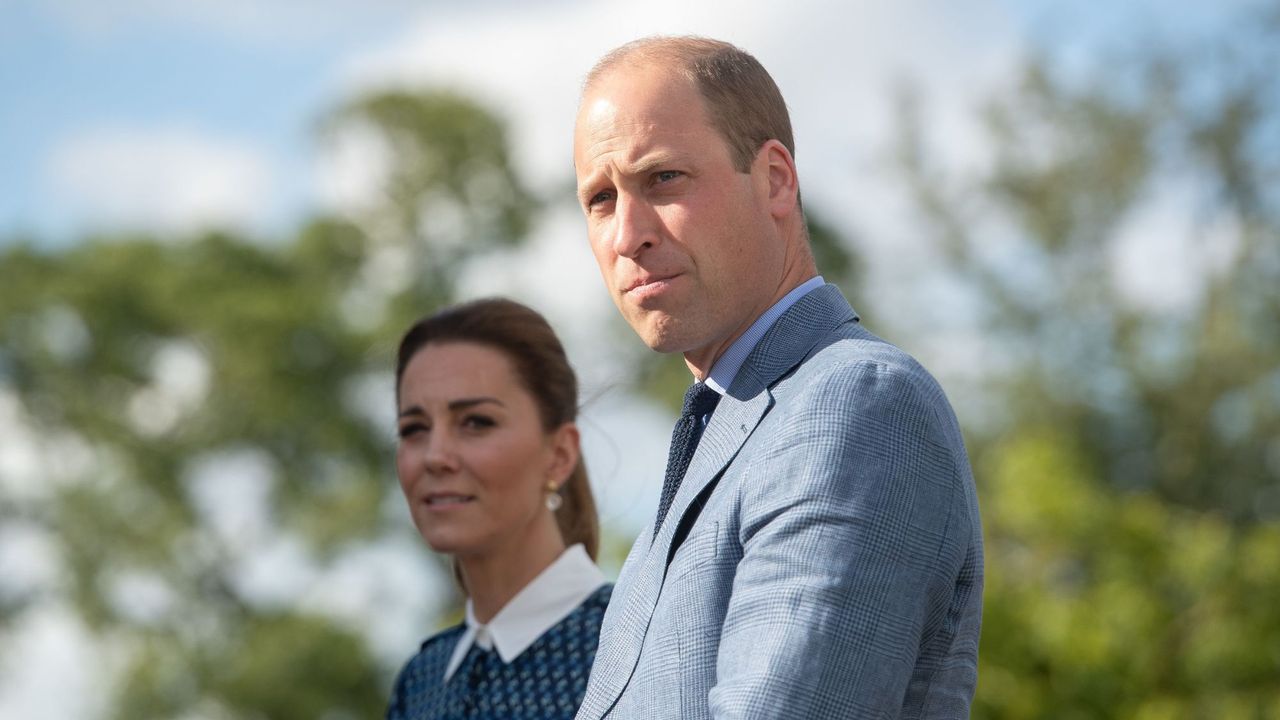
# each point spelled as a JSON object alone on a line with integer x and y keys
{"x": 821, "y": 555}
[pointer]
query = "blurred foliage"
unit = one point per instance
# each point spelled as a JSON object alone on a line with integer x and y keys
{"x": 1131, "y": 483}
{"x": 1102, "y": 604}
{"x": 1179, "y": 394}
{"x": 144, "y": 366}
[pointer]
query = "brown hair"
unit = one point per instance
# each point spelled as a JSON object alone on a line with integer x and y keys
{"x": 745, "y": 106}
{"x": 542, "y": 368}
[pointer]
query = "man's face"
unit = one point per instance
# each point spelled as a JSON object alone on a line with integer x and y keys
{"x": 686, "y": 244}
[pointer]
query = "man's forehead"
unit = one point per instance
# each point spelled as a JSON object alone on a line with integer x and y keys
{"x": 639, "y": 102}
{"x": 639, "y": 81}
{"x": 634, "y": 144}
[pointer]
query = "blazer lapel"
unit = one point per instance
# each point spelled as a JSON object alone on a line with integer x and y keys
{"x": 792, "y": 338}
{"x": 783, "y": 347}
{"x": 795, "y": 336}
{"x": 731, "y": 424}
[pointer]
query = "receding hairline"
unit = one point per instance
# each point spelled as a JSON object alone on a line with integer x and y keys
{"x": 743, "y": 101}
{"x": 675, "y": 53}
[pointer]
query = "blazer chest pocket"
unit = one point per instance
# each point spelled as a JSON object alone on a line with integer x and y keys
{"x": 697, "y": 550}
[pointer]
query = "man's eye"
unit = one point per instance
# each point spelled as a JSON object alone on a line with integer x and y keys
{"x": 600, "y": 197}
{"x": 667, "y": 175}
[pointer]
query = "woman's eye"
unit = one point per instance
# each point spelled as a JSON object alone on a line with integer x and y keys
{"x": 477, "y": 422}
{"x": 411, "y": 429}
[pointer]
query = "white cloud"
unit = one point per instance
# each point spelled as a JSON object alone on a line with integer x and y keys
{"x": 168, "y": 180}
{"x": 830, "y": 61}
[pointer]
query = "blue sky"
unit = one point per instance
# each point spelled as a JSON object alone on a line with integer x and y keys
{"x": 63, "y": 74}
{"x": 250, "y": 80}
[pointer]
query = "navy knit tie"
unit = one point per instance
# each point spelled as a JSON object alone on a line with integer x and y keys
{"x": 699, "y": 401}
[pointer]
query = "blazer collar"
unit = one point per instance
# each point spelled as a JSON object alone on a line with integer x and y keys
{"x": 787, "y": 343}
{"x": 791, "y": 339}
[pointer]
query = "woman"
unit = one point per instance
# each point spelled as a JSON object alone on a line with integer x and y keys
{"x": 489, "y": 463}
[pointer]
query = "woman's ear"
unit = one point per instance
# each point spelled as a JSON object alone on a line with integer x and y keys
{"x": 565, "y": 453}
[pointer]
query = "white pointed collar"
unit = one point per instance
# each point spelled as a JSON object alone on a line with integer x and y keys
{"x": 539, "y": 606}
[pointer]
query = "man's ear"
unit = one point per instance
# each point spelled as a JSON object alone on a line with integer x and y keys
{"x": 777, "y": 172}
{"x": 565, "y": 452}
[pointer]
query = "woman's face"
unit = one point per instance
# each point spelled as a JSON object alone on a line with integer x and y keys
{"x": 474, "y": 461}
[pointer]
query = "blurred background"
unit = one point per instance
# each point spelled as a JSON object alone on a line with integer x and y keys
{"x": 216, "y": 218}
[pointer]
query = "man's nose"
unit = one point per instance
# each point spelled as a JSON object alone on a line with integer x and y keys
{"x": 635, "y": 226}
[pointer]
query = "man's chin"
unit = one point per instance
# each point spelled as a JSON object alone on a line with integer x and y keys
{"x": 664, "y": 341}
{"x": 663, "y": 332}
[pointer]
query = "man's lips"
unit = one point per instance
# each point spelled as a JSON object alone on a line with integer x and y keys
{"x": 648, "y": 283}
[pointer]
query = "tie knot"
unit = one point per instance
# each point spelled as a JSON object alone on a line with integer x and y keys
{"x": 699, "y": 400}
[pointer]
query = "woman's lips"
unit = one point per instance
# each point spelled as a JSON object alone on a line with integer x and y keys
{"x": 445, "y": 501}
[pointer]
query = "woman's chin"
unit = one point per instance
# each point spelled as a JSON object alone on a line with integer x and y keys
{"x": 459, "y": 545}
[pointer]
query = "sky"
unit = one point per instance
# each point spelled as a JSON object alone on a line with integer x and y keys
{"x": 163, "y": 117}
{"x": 144, "y": 114}
{"x": 169, "y": 116}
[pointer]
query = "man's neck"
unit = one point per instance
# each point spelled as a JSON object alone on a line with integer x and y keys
{"x": 702, "y": 362}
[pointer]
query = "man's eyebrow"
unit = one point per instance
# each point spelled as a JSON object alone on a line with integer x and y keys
{"x": 644, "y": 166}
{"x": 653, "y": 163}
{"x": 460, "y": 404}
{"x": 586, "y": 191}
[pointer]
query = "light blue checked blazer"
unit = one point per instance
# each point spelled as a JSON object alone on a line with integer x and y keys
{"x": 831, "y": 560}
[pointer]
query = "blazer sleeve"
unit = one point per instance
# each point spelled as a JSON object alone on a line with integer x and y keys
{"x": 855, "y": 522}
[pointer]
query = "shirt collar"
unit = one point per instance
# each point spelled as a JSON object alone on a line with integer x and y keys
{"x": 538, "y": 607}
{"x": 726, "y": 368}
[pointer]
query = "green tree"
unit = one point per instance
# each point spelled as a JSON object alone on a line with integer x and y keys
{"x": 1101, "y": 604}
{"x": 136, "y": 362}
{"x": 1182, "y": 400}
{"x": 1130, "y": 478}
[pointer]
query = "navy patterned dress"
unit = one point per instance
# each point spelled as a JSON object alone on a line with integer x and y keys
{"x": 547, "y": 680}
